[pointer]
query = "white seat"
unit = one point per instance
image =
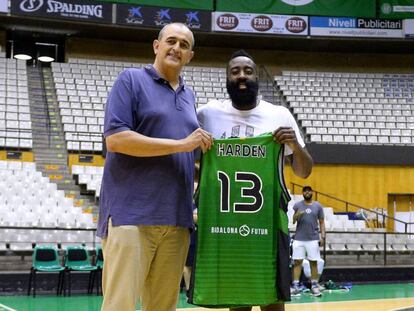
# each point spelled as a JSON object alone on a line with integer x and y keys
{"x": 336, "y": 243}
{"x": 359, "y": 224}
{"x": 67, "y": 220}
{"x": 328, "y": 213}
{"x": 3, "y": 164}
{"x": 48, "y": 220}
{"x": 85, "y": 220}
{"x": 78, "y": 169}
{"x": 14, "y": 165}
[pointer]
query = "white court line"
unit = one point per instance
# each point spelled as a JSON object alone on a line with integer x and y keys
{"x": 7, "y": 308}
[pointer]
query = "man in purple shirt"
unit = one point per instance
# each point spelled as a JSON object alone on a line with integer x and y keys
{"x": 151, "y": 131}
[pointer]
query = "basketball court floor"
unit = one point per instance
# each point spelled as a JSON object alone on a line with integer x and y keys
{"x": 380, "y": 297}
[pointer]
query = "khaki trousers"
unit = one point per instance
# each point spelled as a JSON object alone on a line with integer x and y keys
{"x": 143, "y": 262}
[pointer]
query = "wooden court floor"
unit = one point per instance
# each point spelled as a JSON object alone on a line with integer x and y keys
{"x": 375, "y": 297}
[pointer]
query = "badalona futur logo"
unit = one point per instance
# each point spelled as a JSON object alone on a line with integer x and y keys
{"x": 297, "y": 2}
{"x": 31, "y": 5}
{"x": 244, "y": 230}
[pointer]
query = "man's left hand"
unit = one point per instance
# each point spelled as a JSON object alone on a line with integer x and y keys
{"x": 322, "y": 241}
{"x": 286, "y": 135}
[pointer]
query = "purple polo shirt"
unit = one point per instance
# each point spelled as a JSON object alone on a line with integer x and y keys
{"x": 148, "y": 190}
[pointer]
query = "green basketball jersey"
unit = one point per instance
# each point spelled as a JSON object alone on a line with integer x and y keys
{"x": 242, "y": 254}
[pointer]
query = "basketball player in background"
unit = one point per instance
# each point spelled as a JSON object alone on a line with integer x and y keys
{"x": 308, "y": 214}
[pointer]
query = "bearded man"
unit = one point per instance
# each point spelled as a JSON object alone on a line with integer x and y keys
{"x": 245, "y": 115}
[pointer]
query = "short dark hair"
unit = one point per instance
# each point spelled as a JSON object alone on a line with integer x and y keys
{"x": 241, "y": 53}
{"x": 306, "y": 188}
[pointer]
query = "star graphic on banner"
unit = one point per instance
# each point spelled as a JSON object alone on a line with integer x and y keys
{"x": 164, "y": 13}
{"x": 192, "y": 16}
{"x": 135, "y": 11}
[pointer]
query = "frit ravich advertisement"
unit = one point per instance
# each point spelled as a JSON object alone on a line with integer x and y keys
{"x": 147, "y": 16}
{"x": 355, "y": 27}
{"x": 260, "y": 23}
{"x": 350, "y": 8}
{"x": 81, "y": 10}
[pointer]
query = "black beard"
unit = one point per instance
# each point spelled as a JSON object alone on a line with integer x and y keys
{"x": 308, "y": 197}
{"x": 244, "y": 97}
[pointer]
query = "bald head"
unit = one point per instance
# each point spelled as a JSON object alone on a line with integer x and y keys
{"x": 177, "y": 25}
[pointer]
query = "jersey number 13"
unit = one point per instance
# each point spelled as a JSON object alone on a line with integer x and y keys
{"x": 254, "y": 192}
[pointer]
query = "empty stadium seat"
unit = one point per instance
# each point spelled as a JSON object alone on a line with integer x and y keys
{"x": 372, "y": 106}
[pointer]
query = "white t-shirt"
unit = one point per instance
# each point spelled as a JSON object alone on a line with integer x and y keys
{"x": 222, "y": 120}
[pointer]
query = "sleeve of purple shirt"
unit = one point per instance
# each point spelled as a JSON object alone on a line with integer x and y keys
{"x": 118, "y": 110}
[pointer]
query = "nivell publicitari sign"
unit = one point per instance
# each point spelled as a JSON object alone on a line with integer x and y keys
{"x": 3, "y": 6}
{"x": 260, "y": 23}
{"x": 80, "y": 10}
{"x": 355, "y": 27}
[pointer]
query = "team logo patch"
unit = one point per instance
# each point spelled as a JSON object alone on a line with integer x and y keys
{"x": 244, "y": 230}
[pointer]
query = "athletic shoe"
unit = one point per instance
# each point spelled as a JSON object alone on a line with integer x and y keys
{"x": 295, "y": 290}
{"x": 316, "y": 292}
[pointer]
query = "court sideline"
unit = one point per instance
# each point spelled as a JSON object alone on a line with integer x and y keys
{"x": 372, "y": 297}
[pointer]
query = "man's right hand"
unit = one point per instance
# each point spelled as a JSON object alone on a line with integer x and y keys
{"x": 297, "y": 215}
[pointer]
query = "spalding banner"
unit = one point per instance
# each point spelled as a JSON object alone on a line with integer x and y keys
{"x": 260, "y": 23}
{"x": 80, "y": 10}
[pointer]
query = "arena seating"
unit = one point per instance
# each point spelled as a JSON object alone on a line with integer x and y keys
{"x": 90, "y": 176}
{"x": 15, "y": 124}
{"x": 82, "y": 87}
{"x": 351, "y": 108}
{"x": 32, "y": 201}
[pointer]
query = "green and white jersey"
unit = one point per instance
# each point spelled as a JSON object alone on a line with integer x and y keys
{"x": 242, "y": 254}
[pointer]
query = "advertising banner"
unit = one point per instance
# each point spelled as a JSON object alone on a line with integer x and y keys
{"x": 178, "y": 4}
{"x": 351, "y": 8}
{"x": 355, "y": 27}
{"x": 260, "y": 23}
{"x": 396, "y": 9}
{"x": 80, "y": 10}
{"x": 3, "y": 6}
{"x": 147, "y": 16}
{"x": 409, "y": 28}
